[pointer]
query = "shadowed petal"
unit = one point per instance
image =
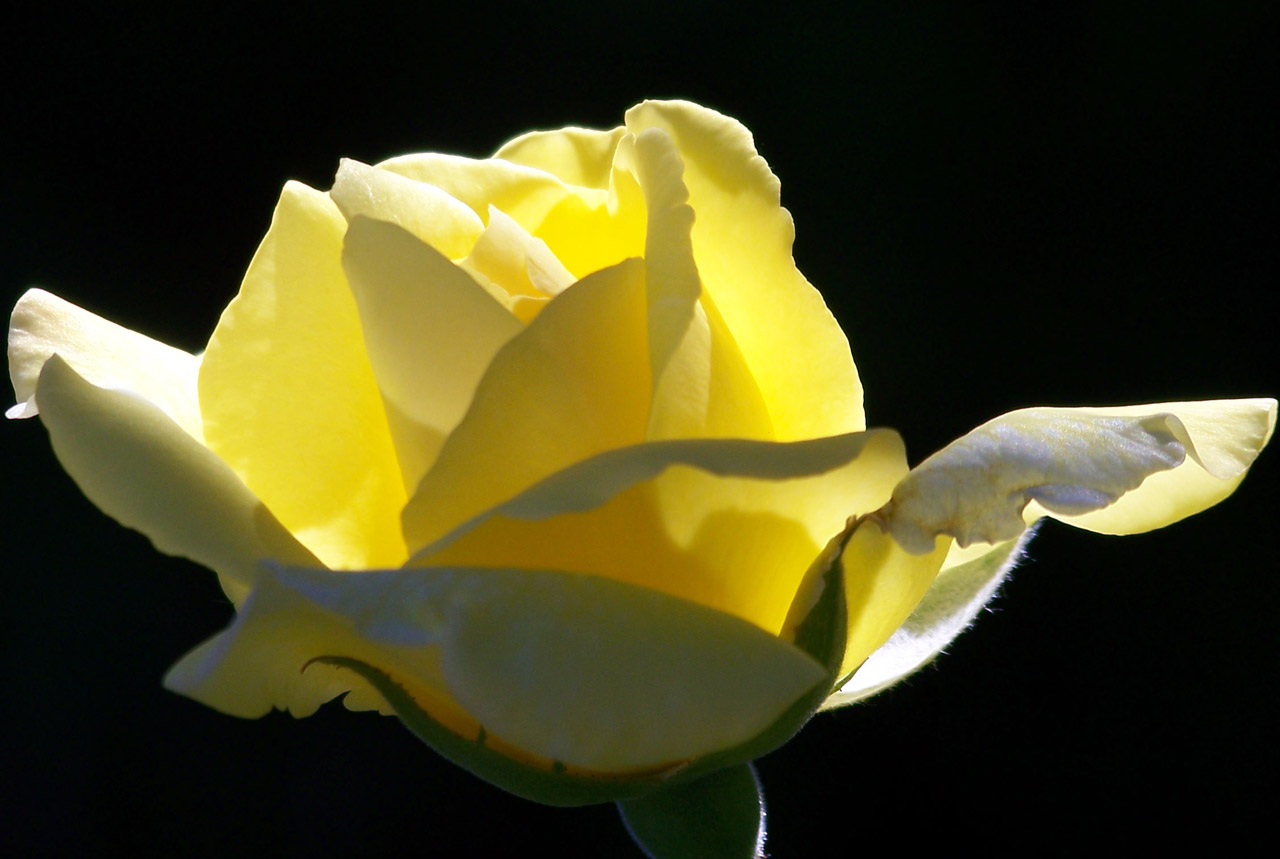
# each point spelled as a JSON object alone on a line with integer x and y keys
{"x": 577, "y": 669}
{"x": 142, "y": 469}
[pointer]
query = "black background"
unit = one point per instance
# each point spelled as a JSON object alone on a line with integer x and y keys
{"x": 1004, "y": 207}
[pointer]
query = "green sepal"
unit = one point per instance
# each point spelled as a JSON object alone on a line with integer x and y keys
{"x": 719, "y": 816}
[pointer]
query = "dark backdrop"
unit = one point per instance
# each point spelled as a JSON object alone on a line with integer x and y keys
{"x": 1003, "y": 208}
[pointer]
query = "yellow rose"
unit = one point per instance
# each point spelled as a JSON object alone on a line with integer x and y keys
{"x": 557, "y": 456}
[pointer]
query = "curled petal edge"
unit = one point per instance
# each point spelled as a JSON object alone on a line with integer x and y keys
{"x": 1118, "y": 470}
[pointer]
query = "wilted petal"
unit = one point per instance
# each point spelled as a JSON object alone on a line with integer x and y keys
{"x": 571, "y": 668}
{"x": 105, "y": 354}
{"x": 289, "y": 399}
{"x": 136, "y": 464}
{"x": 949, "y": 606}
{"x": 986, "y": 485}
{"x": 731, "y": 524}
{"x": 742, "y": 241}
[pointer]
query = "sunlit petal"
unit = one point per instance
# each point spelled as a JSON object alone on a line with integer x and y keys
{"x": 742, "y": 241}
{"x": 731, "y": 524}
{"x": 445, "y": 223}
{"x": 948, "y": 607}
{"x": 289, "y": 399}
{"x": 103, "y": 353}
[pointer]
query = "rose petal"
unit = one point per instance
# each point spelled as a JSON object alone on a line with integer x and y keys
{"x": 1222, "y": 437}
{"x": 136, "y": 464}
{"x": 578, "y": 156}
{"x": 445, "y": 223}
{"x": 289, "y": 399}
{"x": 702, "y": 386}
{"x": 577, "y": 669}
{"x": 1069, "y": 462}
{"x": 104, "y": 353}
{"x": 431, "y": 332}
{"x": 577, "y": 377}
{"x": 947, "y": 609}
{"x": 742, "y": 241}
{"x": 731, "y": 524}
{"x": 508, "y": 257}
{"x": 883, "y": 585}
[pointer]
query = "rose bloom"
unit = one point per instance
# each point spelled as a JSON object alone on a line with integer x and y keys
{"x": 559, "y": 457}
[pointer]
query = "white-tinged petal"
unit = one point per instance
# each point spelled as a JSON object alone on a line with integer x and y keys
{"x": 1222, "y": 437}
{"x": 985, "y": 486}
{"x": 572, "y": 668}
{"x": 445, "y": 223}
{"x": 136, "y": 464}
{"x": 948, "y": 608}
{"x": 105, "y": 354}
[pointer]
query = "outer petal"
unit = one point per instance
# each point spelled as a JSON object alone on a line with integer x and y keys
{"x": 742, "y": 244}
{"x": 136, "y": 464}
{"x": 730, "y": 524}
{"x": 1222, "y": 438}
{"x": 577, "y": 378}
{"x": 1070, "y": 462}
{"x": 104, "y": 353}
{"x": 431, "y": 332}
{"x": 948, "y": 608}
{"x": 289, "y": 399}
{"x": 570, "y": 668}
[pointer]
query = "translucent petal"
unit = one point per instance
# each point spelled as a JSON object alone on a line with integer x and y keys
{"x": 730, "y": 524}
{"x": 525, "y": 194}
{"x": 447, "y": 224}
{"x": 947, "y": 609}
{"x": 508, "y": 256}
{"x": 578, "y": 156}
{"x": 883, "y": 585}
{"x": 703, "y": 386}
{"x": 984, "y": 486}
{"x": 742, "y": 241}
{"x": 102, "y": 352}
{"x": 572, "y": 384}
{"x": 572, "y": 668}
{"x": 1222, "y": 437}
{"x": 289, "y": 399}
{"x": 136, "y": 464}
{"x": 431, "y": 332}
